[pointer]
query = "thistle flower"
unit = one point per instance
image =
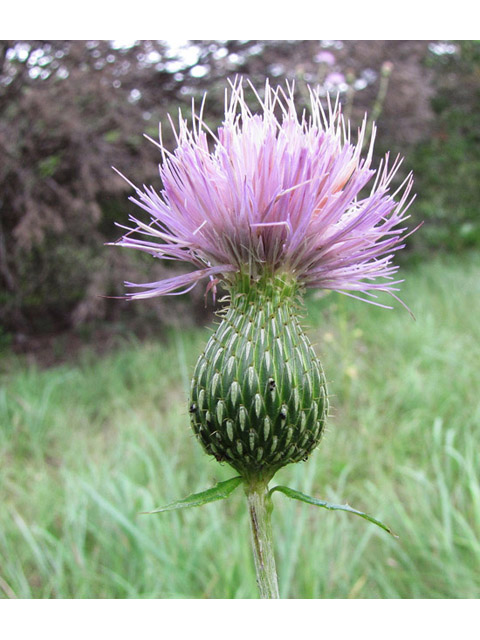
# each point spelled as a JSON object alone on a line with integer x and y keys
{"x": 270, "y": 205}
{"x": 277, "y": 194}
{"x": 277, "y": 205}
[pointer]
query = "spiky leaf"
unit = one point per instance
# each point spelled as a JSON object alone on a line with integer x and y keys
{"x": 298, "y": 495}
{"x": 220, "y": 491}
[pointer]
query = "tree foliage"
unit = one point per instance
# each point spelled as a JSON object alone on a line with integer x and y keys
{"x": 70, "y": 110}
{"x": 447, "y": 163}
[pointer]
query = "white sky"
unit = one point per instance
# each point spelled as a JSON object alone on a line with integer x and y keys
{"x": 250, "y": 19}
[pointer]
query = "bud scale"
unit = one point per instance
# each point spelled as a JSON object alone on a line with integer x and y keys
{"x": 258, "y": 395}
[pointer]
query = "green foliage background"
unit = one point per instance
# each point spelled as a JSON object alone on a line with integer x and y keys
{"x": 86, "y": 446}
{"x": 447, "y": 164}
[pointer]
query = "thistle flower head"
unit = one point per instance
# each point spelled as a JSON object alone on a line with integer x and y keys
{"x": 273, "y": 193}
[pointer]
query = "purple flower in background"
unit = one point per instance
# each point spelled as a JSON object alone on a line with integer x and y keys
{"x": 334, "y": 79}
{"x": 273, "y": 192}
{"x": 325, "y": 57}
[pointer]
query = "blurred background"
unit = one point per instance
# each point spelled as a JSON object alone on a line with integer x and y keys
{"x": 93, "y": 425}
{"x": 71, "y": 110}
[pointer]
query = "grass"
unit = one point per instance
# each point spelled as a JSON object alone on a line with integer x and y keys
{"x": 86, "y": 446}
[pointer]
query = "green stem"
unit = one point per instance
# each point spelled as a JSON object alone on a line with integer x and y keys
{"x": 260, "y": 509}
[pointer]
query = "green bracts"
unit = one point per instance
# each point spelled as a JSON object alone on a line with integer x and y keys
{"x": 259, "y": 396}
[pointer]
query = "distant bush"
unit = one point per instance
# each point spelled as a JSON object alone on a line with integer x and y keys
{"x": 71, "y": 110}
{"x": 447, "y": 164}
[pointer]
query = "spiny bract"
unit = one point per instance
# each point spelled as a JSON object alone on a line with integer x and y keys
{"x": 259, "y": 397}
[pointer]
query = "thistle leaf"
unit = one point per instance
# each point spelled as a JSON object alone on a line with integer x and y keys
{"x": 298, "y": 495}
{"x": 220, "y": 491}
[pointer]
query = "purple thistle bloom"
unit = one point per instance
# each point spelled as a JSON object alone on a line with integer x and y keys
{"x": 276, "y": 193}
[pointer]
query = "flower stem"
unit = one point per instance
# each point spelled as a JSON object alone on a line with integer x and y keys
{"x": 260, "y": 509}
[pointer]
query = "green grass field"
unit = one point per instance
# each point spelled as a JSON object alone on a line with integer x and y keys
{"x": 85, "y": 447}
